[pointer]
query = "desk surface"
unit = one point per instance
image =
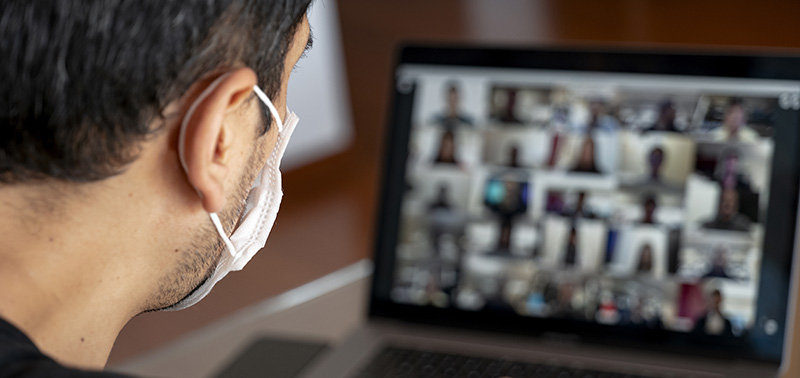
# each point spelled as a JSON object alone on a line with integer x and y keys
{"x": 324, "y": 310}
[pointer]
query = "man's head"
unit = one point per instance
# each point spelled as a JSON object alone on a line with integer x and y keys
{"x": 453, "y": 98}
{"x": 581, "y": 201}
{"x": 666, "y": 113}
{"x": 656, "y": 159}
{"x": 735, "y": 117}
{"x": 597, "y": 108}
{"x": 645, "y": 258}
{"x": 573, "y": 236}
{"x": 513, "y": 156}
{"x": 715, "y": 301}
{"x": 447, "y": 147}
{"x": 91, "y": 103}
{"x": 587, "y": 152}
{"x": 728, "y": 204}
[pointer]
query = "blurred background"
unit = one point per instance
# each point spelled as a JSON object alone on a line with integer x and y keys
{"x": 341, "y": 94}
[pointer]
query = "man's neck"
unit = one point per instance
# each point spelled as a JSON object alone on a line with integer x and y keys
{"x": 59, "y": 327}
{"x": 61, "y": 282}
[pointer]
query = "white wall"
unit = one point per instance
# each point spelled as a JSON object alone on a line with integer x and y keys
{"x": 318, "y": 93}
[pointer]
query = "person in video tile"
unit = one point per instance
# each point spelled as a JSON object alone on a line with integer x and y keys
{"x": 649, "y": 208}
{"x": 507, "y": 113}
{"x": 599, "y": 119}
{"x": 452, "y": 116}
{"x": 645, "y": 264}
{"x": 714, "y": 322}
{"x": 444, "y": 220}
{"x": 586, "y": 159}
{"x": 734, "y": 126}
{"x": 506, "y": 196}
{"x": 728, "y": 216}
{"x": 728, "y": 173}
{"x": 513, "y": 157}
{"x": 719, "y": 264}
{"x": 504, "y": 238}
{"x": 666, "y": 118}
{"x": 571, "y": 252}
{"x": 656, "y": 160}
{"x": 578, "y": 210}
{"x": 447, "y": 149}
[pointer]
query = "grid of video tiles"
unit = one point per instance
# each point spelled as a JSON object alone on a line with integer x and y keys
{"x": 600, "y": 201}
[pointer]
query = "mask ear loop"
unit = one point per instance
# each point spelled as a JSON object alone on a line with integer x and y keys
{"x": 181, "y": 142}
{"x": 272, "y": 110}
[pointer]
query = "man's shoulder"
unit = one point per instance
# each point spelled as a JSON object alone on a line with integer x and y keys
{"x": 20, "y": 358}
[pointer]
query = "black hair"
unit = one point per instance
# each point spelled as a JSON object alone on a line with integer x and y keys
{"x": 83, "y": 81}
{"x": 452, "y": 86}
{"x": 657, "y": 150}
{"x": 666, "y": 104}
{"x": 736, "y": 101}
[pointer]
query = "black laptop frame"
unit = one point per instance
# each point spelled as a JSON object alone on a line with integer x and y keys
{"x": 779, "y": 238}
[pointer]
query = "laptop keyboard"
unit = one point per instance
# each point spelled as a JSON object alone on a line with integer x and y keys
{"x": 394, "y": 362}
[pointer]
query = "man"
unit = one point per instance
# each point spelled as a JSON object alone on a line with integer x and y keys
{"x": 649, "y": 209}
{"x": 666, "y": 118}
{"x": 452, "y": 116}
{"x": 599, "y": 119}
{"x": 719, "y": 264}
{"x": 586, "y": 157}
{"x": 131, "y": 134}
{"x": 714, "y": 322}
{"x": 734, "y": 126}
{"x": 728, "y": 216}
{"x": 656, "y": 160}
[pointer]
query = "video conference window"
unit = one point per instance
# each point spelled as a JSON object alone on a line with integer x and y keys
{"x": 595, "y": 200}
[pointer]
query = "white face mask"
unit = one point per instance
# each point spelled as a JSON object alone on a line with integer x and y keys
{"x": 261, "y": 207}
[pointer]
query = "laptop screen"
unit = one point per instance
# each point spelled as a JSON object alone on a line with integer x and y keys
{"x": 628, "y": 203}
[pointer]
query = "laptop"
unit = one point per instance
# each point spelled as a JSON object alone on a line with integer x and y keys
{"x": 583, "y": 213}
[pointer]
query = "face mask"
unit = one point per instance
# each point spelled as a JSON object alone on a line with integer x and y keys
{"x": 261, "y": 206}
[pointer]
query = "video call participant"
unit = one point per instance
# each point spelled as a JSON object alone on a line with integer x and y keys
{"x": 655, "y": 181}
{"x": 714, "y": 322}
{"x": 507, "y": 114}
{"x": 579, "y": 210}
{"x": 728, "y": 172}
{"x": 444, "y": 220}
{"x": 728, "y": 216}
{"x": 513, "y": 157}
{"x": 504, "y": 237}
{"x": 734, "y": 126}
{"x": 656, "y": 160}
{"x": 666, "y": 119}
{"x": 452, "y": 115}
{"x": 645, "y": 262}
{"x": 599, "y": 119}
{"x": 447, "y": 149}
{"x": 506, "y": 194}
{"x": 586, "y": 158}
{"x": 649, "y": 209}
{"x": 571, "y": 258}
{"x": 119, "y": 148}
{"x": 719, "y": 264}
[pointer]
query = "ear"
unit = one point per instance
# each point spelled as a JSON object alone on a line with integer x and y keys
{"x": 207, "y": 140}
